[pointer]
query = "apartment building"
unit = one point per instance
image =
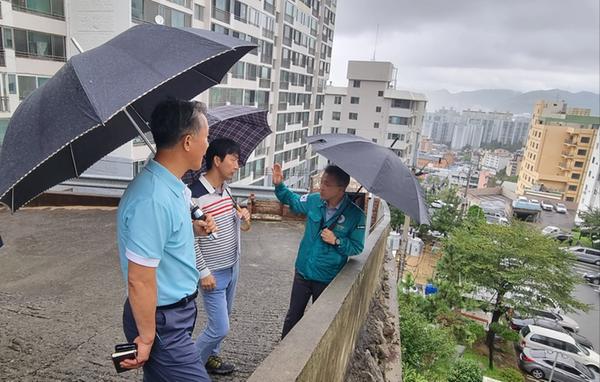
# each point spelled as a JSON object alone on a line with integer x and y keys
{"x": 558, "y": 154}
{"x": 286, "y": 74}
{"x": 371, "y": 107}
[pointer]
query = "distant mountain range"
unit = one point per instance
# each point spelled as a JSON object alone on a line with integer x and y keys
{"x": 508, "y": 100}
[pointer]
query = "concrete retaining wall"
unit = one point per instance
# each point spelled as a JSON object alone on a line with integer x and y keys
{"x": 319, "y": 346}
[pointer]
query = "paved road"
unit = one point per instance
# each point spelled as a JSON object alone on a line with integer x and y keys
{"x": 61, "y": 295}
{"x": 589, "y": 322}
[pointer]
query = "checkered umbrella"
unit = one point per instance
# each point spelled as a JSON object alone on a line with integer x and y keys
{"x": 247, "y": 126}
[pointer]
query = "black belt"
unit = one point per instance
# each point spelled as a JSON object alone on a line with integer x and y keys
{"x": 183, "y": 302}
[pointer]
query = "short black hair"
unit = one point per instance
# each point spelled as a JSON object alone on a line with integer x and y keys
{"x": 221, "y": 147}
{"x": 174, "y": 118}
{"x": 341, "y": 177}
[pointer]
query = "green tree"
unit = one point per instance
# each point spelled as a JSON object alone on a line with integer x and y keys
{"x": 591, "y": 223}
{"x": 465, "y": 370}
{"x": 397, "y": 217}
{"x": 447, "y": 217}
{"x": 506, "y": 267}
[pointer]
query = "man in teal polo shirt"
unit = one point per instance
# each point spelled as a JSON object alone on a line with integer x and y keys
{"x": 156, "y": 248}
{"x": 334, "y": 230}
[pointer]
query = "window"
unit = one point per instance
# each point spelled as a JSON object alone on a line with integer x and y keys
{"x": 401, "y": 103}
{"x": 353, "y": 116}
{"x": 221, "y": 9}
{"x": 376, "y": 125}
{"x": 351, "y": 131}
{"x": 12, "y": 84}
{"x": 334, "y": 130}
{"x": 42, "y": 80}
{"x": 569, "y": 199}
{"x": 394, "y": 120}
{"x": 177, "y": 19}
{"x": 581, "y": 152}
{"x": 378, "y": 109}
{"x": 337, "y": 100}
{"x": 380, "y": 93}
{"x": 269, "y": 6}
{"x": 585, "y": 140}
{"x": 336, "y": 115}
{"x": 572, "y": 187}
{"x": 354, "y": 100}
{"x": 237, "y": 70}
{"x": 251, "y": 72}
{"x": 355, "y": 83}
{"x": 575, "y": 176}
{"x": 7, "y": 34}
{"x": 578, "y": 164}
{"x": 27, "y": 84}
{"x": 52, "y": 8}
{"x": 240, "y": 10}
{"x": 198, "y": 12}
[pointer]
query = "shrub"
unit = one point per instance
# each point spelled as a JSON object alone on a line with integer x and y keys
{"x": 511, "y": 375}
{"x": 465, "y": 370}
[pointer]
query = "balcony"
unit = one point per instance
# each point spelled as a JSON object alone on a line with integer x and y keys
{"x": 221, "y": 15}
{"x": 55, "y": 9}
{"x": 567, "y": 154}
{"x": 570, "y": 142}
{"x": 564, "y": 166}
{"x": 2, "y": 58}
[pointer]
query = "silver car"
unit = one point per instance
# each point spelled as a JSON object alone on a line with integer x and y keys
{"x": 539, "y": 364}
{"x": 587, "y": 255}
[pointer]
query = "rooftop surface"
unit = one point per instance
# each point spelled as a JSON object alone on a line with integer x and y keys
{"x": 61, "y": 295}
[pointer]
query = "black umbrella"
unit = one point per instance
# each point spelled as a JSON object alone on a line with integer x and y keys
{"x": 247, "y": 126}
{"x": 376, "y": 168}
{"x": 97, "y": 100}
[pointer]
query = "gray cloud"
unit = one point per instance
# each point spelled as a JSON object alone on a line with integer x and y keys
{"x": 479, "y": 44}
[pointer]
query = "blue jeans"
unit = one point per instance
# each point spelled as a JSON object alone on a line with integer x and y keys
{"x": 218, "y": 304}
{"x": 173, "y": 356}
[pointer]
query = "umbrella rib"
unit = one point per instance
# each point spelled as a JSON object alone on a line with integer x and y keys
{"x": 73, "y": 160}
{"x": 205, "y": 76}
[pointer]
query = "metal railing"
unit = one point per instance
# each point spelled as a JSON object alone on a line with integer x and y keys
{"x": 4, "y": 104}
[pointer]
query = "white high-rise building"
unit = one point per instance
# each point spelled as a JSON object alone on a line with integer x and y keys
{"x": 371, "y": 107}
{"x": 286, "y": 74}
{"x": 590, "y": 194}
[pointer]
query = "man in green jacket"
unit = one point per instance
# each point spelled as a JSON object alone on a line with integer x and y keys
{"x": 334, "y": 230}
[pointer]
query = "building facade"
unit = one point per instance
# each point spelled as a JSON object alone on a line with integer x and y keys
{"x": 590, "y": 193}
{"x": 371, "y": 107}
{"x": 558, "y": 151}
{"x": 286, "y": 74}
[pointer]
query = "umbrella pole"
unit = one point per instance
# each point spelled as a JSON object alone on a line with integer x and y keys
{"x": 141, "y": 134}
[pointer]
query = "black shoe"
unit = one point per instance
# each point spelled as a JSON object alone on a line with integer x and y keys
{"x": 215, "y": 365}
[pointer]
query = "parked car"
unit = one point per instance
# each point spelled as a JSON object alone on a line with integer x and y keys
{"x": 437, "y": 204}
{"x": 548, "y": 230}
{"x": 547, "y": 206}
{"x": 490, "y": 219}
{"x": 592, "y": 279}
{"x": 564, "y": 321}
{"x": 561, "y": 208}
{"x": 539, "y": 364}
{"x": 561, "y": 236}
{"x": 536, "y": 337}
{"x": 586, "y": 255}
{"x": 522, "y": 199}
{"x": 520, "y": 323}
{"x": 534, "y": 201}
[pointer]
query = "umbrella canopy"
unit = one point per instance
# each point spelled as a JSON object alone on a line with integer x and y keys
{"x": 81, "y": 114}
{"x": 377, "y": 168}
{"x": 245, "y": 125}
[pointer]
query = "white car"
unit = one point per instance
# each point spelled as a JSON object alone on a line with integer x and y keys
{"x": 523, "y": 199}
{"x": 549, "y": 230}
{"x": 536, "y": 337}
{"x": 561, "y": 208}
{"x": 546, "y": 206}
{"x": 534, "y": 201}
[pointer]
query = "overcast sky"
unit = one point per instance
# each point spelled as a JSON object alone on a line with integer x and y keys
{"x": 474, "y": 44}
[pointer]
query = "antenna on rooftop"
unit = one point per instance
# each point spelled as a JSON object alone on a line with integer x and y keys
{"x": 375, "y": 46}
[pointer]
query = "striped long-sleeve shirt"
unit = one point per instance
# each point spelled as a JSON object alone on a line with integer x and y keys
{"x": 223, "y": 252}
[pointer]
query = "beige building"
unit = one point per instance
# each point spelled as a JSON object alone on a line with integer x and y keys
{"x": 558, "y": 151}
{"x": 371, "y": 107}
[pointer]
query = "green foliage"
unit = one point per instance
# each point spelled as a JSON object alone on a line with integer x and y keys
{"x": 411, "y": 375}
{"x": 504, "y": 331}
{"x": 515, "y": 264}
{"x": 446, "y": 218}
{"x": 511, "y": 375}
{"x": 424, "y": 345}
{"x": 465, "y": 370}
{"x": 465, "y": 331}
{"x": 591, "y": 223}
{"x": 397, "y": 217}
{"x": 476, "y": 214}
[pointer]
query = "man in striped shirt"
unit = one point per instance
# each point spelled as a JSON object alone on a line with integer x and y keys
{"x": 218, "y": 259}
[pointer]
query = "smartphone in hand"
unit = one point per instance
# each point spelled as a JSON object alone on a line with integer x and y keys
{"x": 123, "y": 352}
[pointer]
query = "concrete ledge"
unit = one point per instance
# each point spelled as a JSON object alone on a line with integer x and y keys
{"x": 319, "y": 346}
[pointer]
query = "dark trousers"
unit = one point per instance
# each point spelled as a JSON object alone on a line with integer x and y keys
{"x": 173, "y": 356}
{"x": 302, "y": 290}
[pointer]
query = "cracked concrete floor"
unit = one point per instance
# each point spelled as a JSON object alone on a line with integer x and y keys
{"x": 61, "y": 295}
